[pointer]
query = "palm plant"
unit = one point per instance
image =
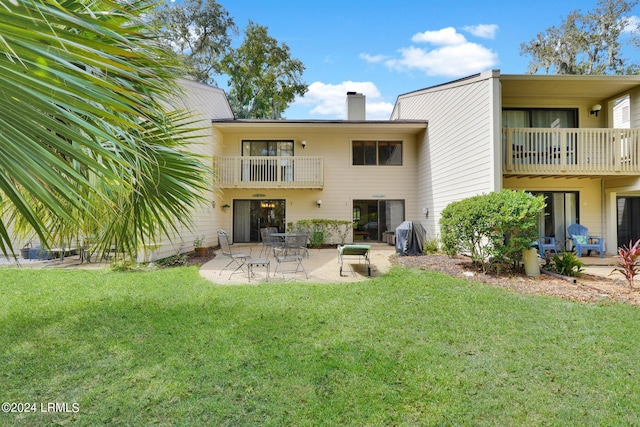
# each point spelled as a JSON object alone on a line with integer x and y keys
{"x": 87, "y": 145}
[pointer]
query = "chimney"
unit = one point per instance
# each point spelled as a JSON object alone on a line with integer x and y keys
{"x": 356, "y": 106}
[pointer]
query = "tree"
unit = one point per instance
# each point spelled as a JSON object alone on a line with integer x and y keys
{"x": 200, "y": 32}
{"x": 584, "y": 43}
{"x": 87, "y": 146}
{"x": 263, "y": 77}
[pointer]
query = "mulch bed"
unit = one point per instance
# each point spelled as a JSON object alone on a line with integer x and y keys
{"x": 588, "y": 288}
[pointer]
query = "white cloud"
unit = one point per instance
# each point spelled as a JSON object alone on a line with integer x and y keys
{"x": 633, "y": 25}
{"x": 452, "y": 56}
{"x": 444, "y": 37}
{"x": 485, "y": 31}
{"x": 327, "y": 99}
{"x": 373, "y": 58}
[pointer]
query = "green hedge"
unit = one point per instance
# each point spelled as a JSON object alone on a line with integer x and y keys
{"x": 321, "y": 229}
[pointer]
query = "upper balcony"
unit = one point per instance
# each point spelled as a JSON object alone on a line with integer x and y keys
{"x": 269, "y": 172}
{"x": 571, "y": 152}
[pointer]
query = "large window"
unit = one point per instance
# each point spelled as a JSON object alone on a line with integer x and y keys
{"x": 383, "y": 153}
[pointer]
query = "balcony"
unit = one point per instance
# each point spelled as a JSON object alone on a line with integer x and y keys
{"x": 571, "y": 152}
{"x": 269, "y": 172}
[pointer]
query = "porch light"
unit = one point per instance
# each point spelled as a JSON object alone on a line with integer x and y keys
{"x": 303, "y": 143}
{"x": 595, "y": 109}
{"x": 319, "y": 203}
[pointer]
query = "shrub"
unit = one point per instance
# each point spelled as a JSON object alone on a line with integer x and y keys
{"x": 567, "y": 265}
{"x": 323, "y": 228}
{"x": 492, "y": 228}
{"x": 430, "y": 246}
{"x": 628, "y": 264}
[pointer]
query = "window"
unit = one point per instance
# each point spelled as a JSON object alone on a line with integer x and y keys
{"x": 540, "y": 118}
{"x": 382, "y": 153}
{"x": 267, "y": 148}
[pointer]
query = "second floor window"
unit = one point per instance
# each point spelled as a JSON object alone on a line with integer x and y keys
{"x": 383, "y": 153}
{"x": 267, "y": 148}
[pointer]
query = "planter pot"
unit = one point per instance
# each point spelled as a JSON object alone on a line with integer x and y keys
{"x": 530, "y": 258}
{"x": 201, "y": 252}
{"x": 24, "y": 252}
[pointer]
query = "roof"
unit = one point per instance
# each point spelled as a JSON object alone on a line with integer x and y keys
{"x": 410, "y": 126}
{"x": 567, "y": 86}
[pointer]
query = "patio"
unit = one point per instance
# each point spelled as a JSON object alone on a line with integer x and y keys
{"x": 322, "y": 265}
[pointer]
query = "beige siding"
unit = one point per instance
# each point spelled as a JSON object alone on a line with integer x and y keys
{"x": 343, "y": 182}
{"x": 207, "y": 103}
{"x": 590, "y": 197}
{"x": 457, "y": 158}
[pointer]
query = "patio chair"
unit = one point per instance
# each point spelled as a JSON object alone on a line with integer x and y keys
{"x": 268, "y": 240}
{"x": 292, "y": 252}
{"x": 238, "y": 258}
{"x": 579, "y": 234}
{"x": 546, "y": 243}
{"x": 296, "y": 244}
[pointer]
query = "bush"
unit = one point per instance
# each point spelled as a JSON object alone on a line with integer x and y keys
{"x": 492, "y": 228}
{"x": 322, "y": 228}
{"x": 430, "y": 246}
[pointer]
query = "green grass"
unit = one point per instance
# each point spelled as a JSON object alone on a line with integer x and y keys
{"x": 410, "y": 348}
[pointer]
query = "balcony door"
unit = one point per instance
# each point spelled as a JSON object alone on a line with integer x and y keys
{"x": 249, "y": 216}
{"x": 256, "y": 165}
{"x": 536, "y": 147}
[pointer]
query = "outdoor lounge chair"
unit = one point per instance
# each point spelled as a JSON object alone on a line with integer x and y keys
{"x": 361, "y": 251}
{"x": 582, "y": 241}
{"x": 238, "y": 258}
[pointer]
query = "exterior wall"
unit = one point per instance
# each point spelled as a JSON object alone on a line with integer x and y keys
{"x": 343, "y": 182}
{"x": 459, "y": 156}
{"x": 206, "y": 103}
{"x": 591, "y": 202}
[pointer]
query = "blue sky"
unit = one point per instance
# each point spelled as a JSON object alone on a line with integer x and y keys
{"x": 386, "y": 48}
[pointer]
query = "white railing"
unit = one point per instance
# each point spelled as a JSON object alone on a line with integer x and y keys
{"x": 269, "y": 172}
{"x": 571, "y": 151}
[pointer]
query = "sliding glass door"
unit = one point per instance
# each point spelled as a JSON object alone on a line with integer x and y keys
{"x": 372, "y": 218}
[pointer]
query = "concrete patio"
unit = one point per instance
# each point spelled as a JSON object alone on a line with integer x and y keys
{"x": 322, "y": 266}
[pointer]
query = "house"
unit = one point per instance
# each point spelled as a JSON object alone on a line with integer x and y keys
{"x": 547, "y": 134}
{"x": 561, "y": 136}
{"x": 573, "y": 139}
{"x": 271, "y": 173}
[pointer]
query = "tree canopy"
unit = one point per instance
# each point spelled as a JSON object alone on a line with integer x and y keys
{"x": 585, "y": 43}
{"x": 263, "y": 77}
{"x": 87, "y": 146}
{"x": 200, "y": 32}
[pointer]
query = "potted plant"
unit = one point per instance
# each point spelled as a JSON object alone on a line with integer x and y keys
{"x": 24, "y": 252}
{"x": 198, "y": 243}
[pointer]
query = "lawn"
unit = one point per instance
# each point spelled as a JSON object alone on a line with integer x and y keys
{"x": 410, "y": 348}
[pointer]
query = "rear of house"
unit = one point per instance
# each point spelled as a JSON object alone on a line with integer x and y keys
{"x": 271, "y": 173}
